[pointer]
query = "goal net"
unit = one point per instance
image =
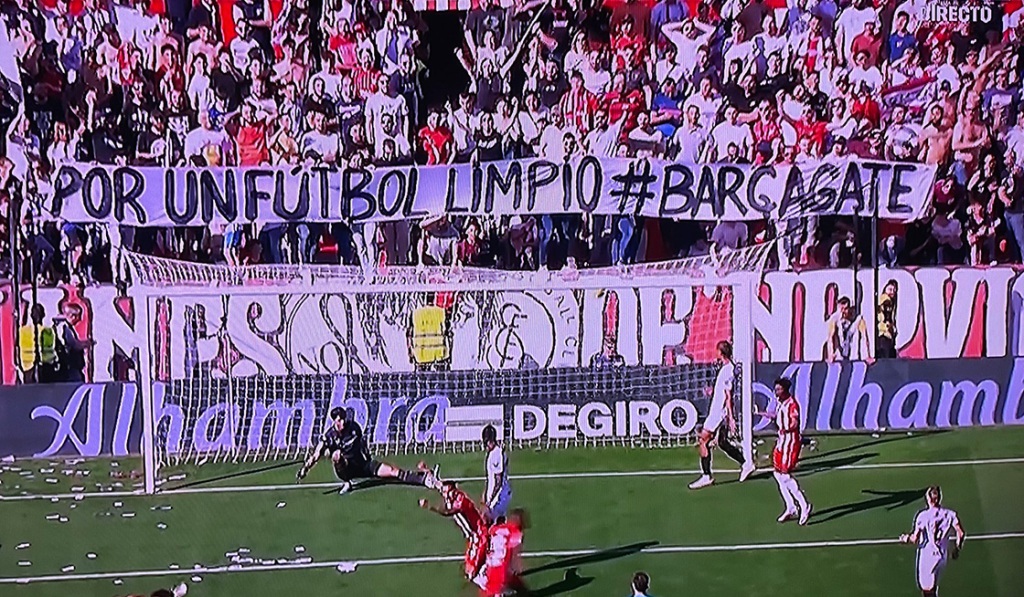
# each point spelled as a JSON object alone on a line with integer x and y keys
{"x": 242, "y": 364}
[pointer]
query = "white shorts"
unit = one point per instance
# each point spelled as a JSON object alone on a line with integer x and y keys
{"x": 929, "y": 570}
{"x": 481, "y": 577}
{"x": 500, "y": 508}
{"x": 713, "y": 422}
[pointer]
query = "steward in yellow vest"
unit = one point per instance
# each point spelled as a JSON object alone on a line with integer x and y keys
{"x": 428, "y": 336}
{"x": 37, "y": 349}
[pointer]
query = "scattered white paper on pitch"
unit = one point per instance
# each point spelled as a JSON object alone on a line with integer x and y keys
{"x": 174, "y": 566}
{"x": 52, "y": 481}
{"x": 181, "y": 590}
{"x": 118, "y": 582}
{"x": 91, "y": 556}
{"x": 300, "y": 549}
{"x": 23, "y": 546}
{"x": 347, "y": 567}
{"x": 63, "y": 519}
{"x": 161, "y": 526}
{"x": 46, "y": 471}
{"x": 70, "y": 568}
{"x": 24, "y": 563}
{"x": 118, "y": 504}
{"x": 280, "y": 504}
{"x": 54, "y": 500}
{"x": 128, "y": 515}
{"x": 197, "y": 578}
{"x": 176, "y": 477}
{"x": 52, "y": 516}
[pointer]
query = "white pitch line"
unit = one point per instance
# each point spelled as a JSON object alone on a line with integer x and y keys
{"x": 527, "y": 477}
{"x": 657, "y": 549}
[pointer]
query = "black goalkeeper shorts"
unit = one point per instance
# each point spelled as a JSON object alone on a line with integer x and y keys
{"x": 358, "y": 470}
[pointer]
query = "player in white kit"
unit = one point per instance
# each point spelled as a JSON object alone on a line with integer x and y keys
{"x": 498, "y": 492}
{"x": 720, "y": 423}
{"x": 932, "y": 529}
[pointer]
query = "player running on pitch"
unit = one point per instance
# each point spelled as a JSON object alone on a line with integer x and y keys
{"x": 503, "y": 572}
{"x": 932, "y": 529}
{"x": 786, "y": 455}
{"x": 498, "y": 492}
{"x": 721, "y": 412}
{"x": 344, "y": 443}
{"x": 461, "y": 508}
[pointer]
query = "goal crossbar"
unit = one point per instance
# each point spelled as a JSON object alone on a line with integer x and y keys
{"x": 198, "y": 410}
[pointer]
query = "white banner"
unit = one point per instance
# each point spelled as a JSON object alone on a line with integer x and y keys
{"x": 153, "y": 196}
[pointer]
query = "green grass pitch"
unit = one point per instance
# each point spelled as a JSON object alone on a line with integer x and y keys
{"x": 588, "y": 532}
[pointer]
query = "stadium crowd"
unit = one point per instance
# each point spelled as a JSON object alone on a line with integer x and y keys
{"x": 383, "y": 83}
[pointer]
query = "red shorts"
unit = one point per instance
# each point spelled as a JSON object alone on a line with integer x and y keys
{"x": 497, "y": 578}
{"x": 476, "y": 551}
{"x": 787, "y": 453}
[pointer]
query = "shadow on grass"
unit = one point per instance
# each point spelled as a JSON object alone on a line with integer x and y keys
{"x": 365, "y": 484}
{"x": 570, "y": 582}
{"x": 821, "y": 466}
{"x": 888, "y": 439}
{"x": 807, "y": 470}
{"x": 604, "y": 555}
{"x": 890, "y": 500}
{"x": 236, "y": 475}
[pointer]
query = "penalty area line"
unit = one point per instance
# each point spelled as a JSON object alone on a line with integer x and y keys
{"x": 662, "y": 549}
{"x": 526, "y": 477}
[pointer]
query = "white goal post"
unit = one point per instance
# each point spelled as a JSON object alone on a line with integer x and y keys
{"x": 242, "y": 364}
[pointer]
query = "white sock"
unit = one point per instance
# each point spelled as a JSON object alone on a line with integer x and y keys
{"x": 794, "y": 490}
{"x": 786, "y": 497}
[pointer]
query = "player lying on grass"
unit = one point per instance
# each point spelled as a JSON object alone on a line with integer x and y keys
{"x": 932, "y": 529}
{"x": 720, "y": 423}
{"x": 343, "y": 442}
{"x": 458, "y": 506}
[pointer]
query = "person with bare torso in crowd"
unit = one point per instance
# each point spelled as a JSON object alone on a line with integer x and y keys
{"x": 970, "y": 139}
{"x": 936, "y": 138}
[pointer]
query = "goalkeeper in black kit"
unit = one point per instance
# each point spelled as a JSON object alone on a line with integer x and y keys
{"x": 344, "y": 443}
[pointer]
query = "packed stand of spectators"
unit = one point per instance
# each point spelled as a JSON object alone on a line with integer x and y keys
{"x": 374, "y": 83}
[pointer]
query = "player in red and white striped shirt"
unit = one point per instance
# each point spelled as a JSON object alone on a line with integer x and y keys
{"x": 461, "y": 508}
{"x": 786, "y": 455}
{"x": 503, "y": 572}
